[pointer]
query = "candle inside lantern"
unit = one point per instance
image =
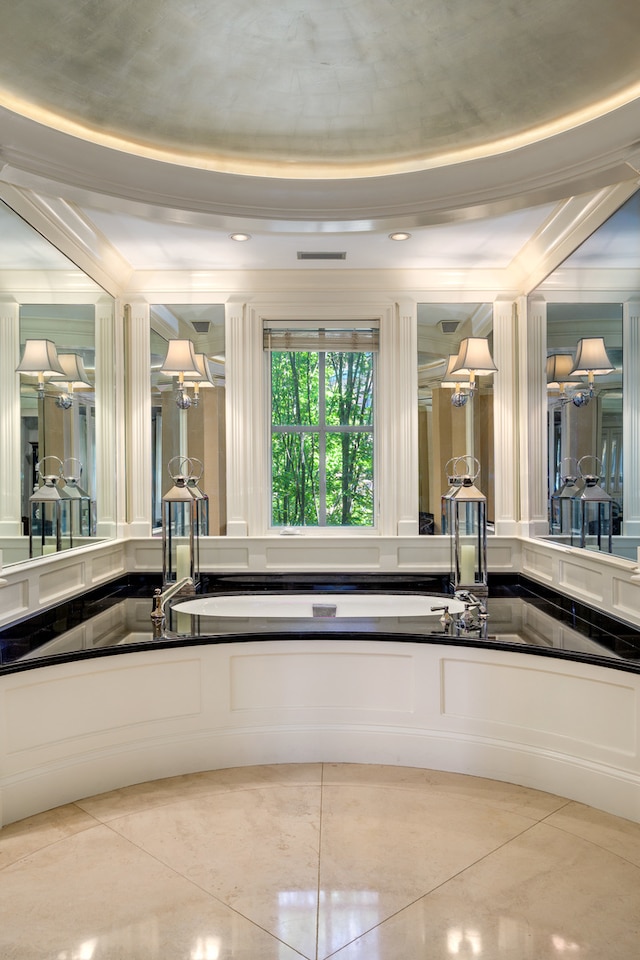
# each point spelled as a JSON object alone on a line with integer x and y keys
{"x": 183, "y": 561}
{"x": 467, "y": 563}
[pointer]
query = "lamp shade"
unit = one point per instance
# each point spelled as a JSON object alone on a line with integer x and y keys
{"x": 450, "y": 379}
{"x": 181, "y": 359}
{"x": 205, "y": 372}
{"x": 40, "y": 356}
{"x": 591, "y": 357}
{"x": 474, "y": 357}
{"x": 559, "y": 367}
{"x": 74, "y": 372}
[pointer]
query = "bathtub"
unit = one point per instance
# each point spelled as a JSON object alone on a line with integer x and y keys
{"x": 370, "y": 606}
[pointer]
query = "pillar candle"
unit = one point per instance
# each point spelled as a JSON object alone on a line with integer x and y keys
{"x": 183, "y": 561}
{"x": 467, "y": 563}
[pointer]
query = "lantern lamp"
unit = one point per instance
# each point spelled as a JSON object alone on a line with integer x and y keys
{"x": 592, "y": 526}
{"x": 468, "y": 537}
{"x": 82, "y": 507}
{"x": 560, "y": 508}
{"x": 50, "y": 514}
{"x": 180, "y": 535}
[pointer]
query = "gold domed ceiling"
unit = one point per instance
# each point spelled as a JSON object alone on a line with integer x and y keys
{"x": 317, "y": 88}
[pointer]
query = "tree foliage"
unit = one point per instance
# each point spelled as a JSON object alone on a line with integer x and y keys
{"x": 322, "y": 438}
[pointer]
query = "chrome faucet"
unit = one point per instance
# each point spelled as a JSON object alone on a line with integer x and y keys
{"x": 185, "y": 586}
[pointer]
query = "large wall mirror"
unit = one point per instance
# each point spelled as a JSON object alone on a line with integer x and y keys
{"x": 57, "y": 423}
{"x": 453, "y": 421}
{"x": 591, "y": 307}
{"x": 188, "y": 410}
{"x": 585, "y": 422}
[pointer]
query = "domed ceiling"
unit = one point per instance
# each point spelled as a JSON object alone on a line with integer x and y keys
{"x": 318, "y": 88}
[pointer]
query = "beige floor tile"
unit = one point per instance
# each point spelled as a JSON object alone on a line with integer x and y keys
{"x": 397, "y": 845}
{"x": 255, "y": 850}
{"x": 508, "y": 796}
{"x": 613, "y": 833}
{"x": 96, "y": 895}
{"x": 543, "y": 896}
{"x": 157, "y": 793}
{"x": 308, "y": 861}
{"x": 18, "y": 840}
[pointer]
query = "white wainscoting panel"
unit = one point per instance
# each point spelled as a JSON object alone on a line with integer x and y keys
{"x": 363, "y": 681}
{"x": 77, "y": 729}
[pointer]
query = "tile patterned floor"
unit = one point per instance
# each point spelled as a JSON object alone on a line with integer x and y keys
{"x": 320, "y": 860}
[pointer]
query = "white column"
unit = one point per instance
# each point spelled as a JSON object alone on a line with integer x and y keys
{"x": 396, "y": 416}
{"x": 533, "y": 417}
{"x": 138, "y": 419}
{"x": 631, "y": 418}
{"x": 505, "y": 419}
{"x": 246, "y": 410}
{"x": 107, "y": 363}
{"x": 10, "y": 509}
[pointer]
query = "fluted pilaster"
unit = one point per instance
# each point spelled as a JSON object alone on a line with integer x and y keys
{"x": 533, "y": 419}
{"x": 397, "y": 421}
{"x": 138, "y": 419}
{"x": 246, "y": 423}
{"x": 10, "y": 511}
{"x": 631, "y": 418}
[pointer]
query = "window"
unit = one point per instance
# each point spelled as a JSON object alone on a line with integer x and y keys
{"x": 322, "y": 425}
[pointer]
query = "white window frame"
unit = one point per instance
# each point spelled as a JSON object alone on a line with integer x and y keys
{"x": 248, "y": 415}
{"x": 321, "y": 429}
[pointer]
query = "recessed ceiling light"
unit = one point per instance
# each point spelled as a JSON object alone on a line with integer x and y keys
{"x": 240, "y": 237}
{"x": 399, "y": 236}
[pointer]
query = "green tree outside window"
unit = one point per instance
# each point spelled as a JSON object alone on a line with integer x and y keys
{"x": 322, "y": 438}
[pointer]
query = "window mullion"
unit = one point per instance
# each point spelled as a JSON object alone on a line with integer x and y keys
{"x": 322, "y": 440}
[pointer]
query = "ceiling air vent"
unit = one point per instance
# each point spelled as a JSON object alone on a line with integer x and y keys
{"x": 449, "y": 326}
{"x": 201, "y": 326}
{"x": 321, "y": 255}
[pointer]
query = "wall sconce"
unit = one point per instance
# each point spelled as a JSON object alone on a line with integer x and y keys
{"x": 181, "y": 359}
{"x": 474, "y": 358}
{"x": 205, "y": 378}
{"x": 455, "y": 382}
{"x": 591, "y": 360}
{"x": 40, "y": 357}
{"x": 559, "y": 376}
{"x": 75, "y": 377}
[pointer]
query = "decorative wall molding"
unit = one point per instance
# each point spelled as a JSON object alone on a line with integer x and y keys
{"x": 569, "y": 728}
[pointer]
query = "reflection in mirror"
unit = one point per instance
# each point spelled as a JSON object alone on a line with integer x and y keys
{"x": 584, "y": 417}
{"x": 593, "y": 295}
{"x": 58, "y": 428}
{"x": 451, "y": 424}
{"x": 188, "y": 409}
{"x": 61, "y": 418}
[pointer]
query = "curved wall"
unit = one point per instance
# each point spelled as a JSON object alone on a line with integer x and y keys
{"x": 87, "y": 726}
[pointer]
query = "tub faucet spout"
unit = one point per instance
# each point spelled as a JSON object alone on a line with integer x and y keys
{"x": 160, "y": 597}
